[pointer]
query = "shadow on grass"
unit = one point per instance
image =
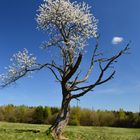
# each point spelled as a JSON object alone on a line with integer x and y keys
{"x": 20, "y": 130}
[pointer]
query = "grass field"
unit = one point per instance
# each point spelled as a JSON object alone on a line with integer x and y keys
{"x": 11, "y": 131}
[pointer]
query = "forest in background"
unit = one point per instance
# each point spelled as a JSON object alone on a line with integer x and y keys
{"x": 79, "y": 116}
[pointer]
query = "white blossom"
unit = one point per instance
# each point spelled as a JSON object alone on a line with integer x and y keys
{"x": 23, "y": 59}
{"x": 69, "y": 26}
{"x": 72, "y": 20}
{"x": 21, "y": 62}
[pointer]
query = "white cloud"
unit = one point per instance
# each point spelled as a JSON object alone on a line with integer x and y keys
{"x": 117, "y": 40}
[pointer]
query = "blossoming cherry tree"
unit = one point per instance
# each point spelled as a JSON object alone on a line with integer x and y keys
{"x": 69, "y": 26}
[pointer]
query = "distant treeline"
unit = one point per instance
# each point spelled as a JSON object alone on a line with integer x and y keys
{"x": 79, "y": 116}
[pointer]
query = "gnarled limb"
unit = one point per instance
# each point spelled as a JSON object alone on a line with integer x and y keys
{"x": 100, "y": 80}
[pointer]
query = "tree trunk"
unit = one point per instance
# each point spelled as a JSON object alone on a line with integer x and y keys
{"x": 62, "y": 119}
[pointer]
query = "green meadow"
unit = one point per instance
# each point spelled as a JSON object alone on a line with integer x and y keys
{"x": 16, "y": 131}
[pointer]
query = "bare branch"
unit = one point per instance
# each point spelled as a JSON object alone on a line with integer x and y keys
{"x": 90, "y": 68}
{"x": 54, "y": 73}
{"x": 89, "y": 88}
{"x": 73, "y": 83}
{"x": 99, "y": 81}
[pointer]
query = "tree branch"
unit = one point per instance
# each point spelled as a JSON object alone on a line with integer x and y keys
{"x": 99, "y": 81}
{"x": 90, "y": 68}
{"x": 74, "y": 69}
{"x": 9, "y": 79}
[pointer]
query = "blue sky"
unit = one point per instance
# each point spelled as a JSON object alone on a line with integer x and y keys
{"x": 116, "y": 18}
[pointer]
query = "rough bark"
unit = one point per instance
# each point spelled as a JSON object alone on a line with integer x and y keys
{"x": 62, "y": 119}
